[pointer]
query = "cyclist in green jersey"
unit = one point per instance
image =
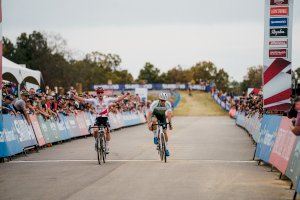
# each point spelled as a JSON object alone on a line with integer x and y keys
{"x": 160, "y": 111}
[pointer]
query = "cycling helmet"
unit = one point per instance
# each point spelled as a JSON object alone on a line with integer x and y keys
{"x": 99, "y": 90}
{"x": 163, "y": 96}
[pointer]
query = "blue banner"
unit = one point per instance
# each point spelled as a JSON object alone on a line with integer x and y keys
{"x": 9, "y": 140}
{"x": 74, "y": 128}
{"x": 268, "y": 132}
{"x": 298, "y": 188}
{"x": 24, "y": 131}
{"x": 61, "y": 125}
{"x": 155, "y": 86}
{"x": 293, "y": 170}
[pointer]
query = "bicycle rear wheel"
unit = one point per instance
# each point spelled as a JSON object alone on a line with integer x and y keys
{"x": 99, "y": 156}
{"x": 103, "y": 149}
{"x": 163, "y": 149}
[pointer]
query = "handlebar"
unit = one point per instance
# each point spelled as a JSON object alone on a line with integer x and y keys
{"x": 161, "y": 124}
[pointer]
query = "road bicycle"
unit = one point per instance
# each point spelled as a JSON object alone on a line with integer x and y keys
{"x": 101, "y": 143}
{"x": 161, "y": 146}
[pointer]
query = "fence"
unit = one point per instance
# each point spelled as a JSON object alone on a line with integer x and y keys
{"x": 18, "y": 135}
{"x": 276, "y": 144}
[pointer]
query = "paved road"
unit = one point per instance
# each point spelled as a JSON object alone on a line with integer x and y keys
{"x": 211, "y": 159}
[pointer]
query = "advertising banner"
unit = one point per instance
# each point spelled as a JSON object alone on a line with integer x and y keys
{"x": 283, "y": 146}
{"x": 256, "y": 128}
{"x": 293, "y": 170}
{"x": 24, "y": 131}
{"x": 268, "y": 132}
{"x": 46, "y": 129}
{"x": 74, "y": 129}
{"x": 277, "y": 80}
{"x": 155, "y": 86}
{"x": 37, "y": 130}
{"x": 9, "y": 140}
{"x": 62, "y": 128}
{"x": 81, "y": 123}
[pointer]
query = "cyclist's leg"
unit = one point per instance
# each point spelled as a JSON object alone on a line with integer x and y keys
{"x": 164, "y": 120}
{"x": 169, "y": 118}
{"x": 153, "y": 128}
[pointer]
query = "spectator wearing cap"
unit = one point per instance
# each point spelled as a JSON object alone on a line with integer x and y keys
{"x": 7, "y": 107}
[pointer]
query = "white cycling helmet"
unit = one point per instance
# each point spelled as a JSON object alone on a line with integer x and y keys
{"x": 163, "y": 96}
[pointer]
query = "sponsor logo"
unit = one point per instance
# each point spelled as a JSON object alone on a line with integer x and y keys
{"x": 279, "y": 11}
{"x": 278, "y": 44}
{"x": 277, "y": 53}
{"x": 283, "y": 21}
{"x": 279, "y": 2}
{"x": 278, "y": 32}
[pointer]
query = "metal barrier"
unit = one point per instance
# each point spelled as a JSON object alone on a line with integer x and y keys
{"x": 18, "y": 135}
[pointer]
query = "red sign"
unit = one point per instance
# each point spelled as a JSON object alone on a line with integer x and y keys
{"x": 283, "y": 146}
{"x": 37, "y": 130}
{"x": 279, "y": 11}
{"x": 279, "y": 2}
{"x": 277, "y": 53}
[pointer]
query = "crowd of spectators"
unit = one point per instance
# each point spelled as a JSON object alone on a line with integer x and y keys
{"x": 248, "y": 103}
{"x": 50, "y": 104}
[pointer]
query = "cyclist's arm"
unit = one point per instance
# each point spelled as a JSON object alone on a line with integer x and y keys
{"x": 149, "y": 115}
{"x": 78, "y": 98}
{"x": 121, "y": 97}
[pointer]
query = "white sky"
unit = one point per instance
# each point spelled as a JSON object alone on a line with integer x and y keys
{"x": 166, "y": 33}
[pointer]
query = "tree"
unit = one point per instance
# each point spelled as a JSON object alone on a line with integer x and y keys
{"x": 177, "y": 75}
{"x": 253, "y": 79}
{"x": 149, "y": 73}
{"x": 205, "y": 71}
{"x": 49, "y": 54}
{"x": 222, "y": 80}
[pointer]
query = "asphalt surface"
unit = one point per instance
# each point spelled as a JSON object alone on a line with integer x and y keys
{"x": 210, "y": 159}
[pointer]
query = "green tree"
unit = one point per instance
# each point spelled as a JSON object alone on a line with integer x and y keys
{"x": 253, "y": 79}
{"x": 205, "y": 71}
{"x": 222, "y": 80}
{"x": 149, "y": 73}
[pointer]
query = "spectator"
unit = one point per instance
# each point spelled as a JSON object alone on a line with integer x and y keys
{"x": 20, "y": 105}
{"x": 7, "y": 107}
{"x": 296, "y": 129}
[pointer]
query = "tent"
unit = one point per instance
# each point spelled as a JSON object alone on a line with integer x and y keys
{"x": 18, "y": 73}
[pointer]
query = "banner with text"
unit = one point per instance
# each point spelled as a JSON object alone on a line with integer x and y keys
{"x": 277, "y": 81}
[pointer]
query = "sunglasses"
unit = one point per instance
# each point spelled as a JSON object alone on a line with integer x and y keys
{"x": 100, "y": 92}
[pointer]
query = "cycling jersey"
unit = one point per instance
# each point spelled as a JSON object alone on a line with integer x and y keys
{"x": 157, "y": 109}
{"x": 101, "y": 107}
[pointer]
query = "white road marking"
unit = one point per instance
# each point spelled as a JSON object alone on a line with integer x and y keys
{"x": 141, "y": 160}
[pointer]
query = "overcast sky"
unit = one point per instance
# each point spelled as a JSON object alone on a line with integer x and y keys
{"x": 166, "y": 33}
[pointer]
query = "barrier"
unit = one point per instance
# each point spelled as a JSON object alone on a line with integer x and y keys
{"x": 283, "y": 146}
{"x": 17, "y": 134}
{"x": 268, "y": 132}
{"x": 276, "y": 145}
{"x": 293, "y": 171}
{"x": 225, "y": 106}
{"x": 9, "y": 140}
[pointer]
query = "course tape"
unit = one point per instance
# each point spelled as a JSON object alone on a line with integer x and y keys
{"x": 18, "y": 135}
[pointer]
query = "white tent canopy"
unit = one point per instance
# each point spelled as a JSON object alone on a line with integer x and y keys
{"x": 19, "y": 72}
